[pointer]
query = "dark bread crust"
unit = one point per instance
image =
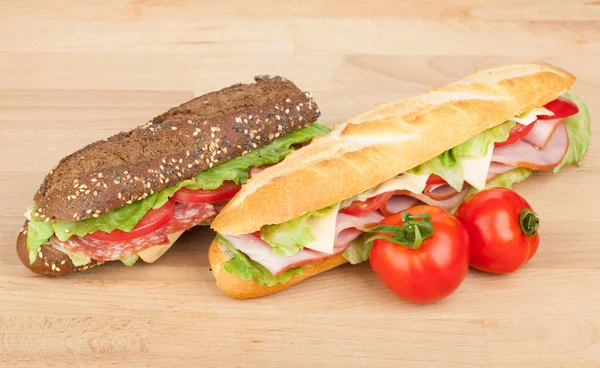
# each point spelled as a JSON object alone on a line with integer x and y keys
{"x": 174, "y": 146}
{"x": 50, "y": 261}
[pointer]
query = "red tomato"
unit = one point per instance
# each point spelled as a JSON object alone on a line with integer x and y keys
{"x": 428, "y": 272}
{"x": 225, "y": 191}
{"x": 360, "y": 208}
{"x": 503, "y": 230}
{"x": 435, "y": 179}
{"x": 516, "y": 133}
{"x": 152, "y": 221}
{"x": 561, "y": 107}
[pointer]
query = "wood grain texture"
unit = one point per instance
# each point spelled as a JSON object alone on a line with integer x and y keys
{"x": 75, "y": 71}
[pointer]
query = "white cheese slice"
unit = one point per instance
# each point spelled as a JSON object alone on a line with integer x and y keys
{"x": 475, "y": 169}
{"x": 405, "y": 181}
{"x": 151, "y": 254}
{"x": 323, "y": 229}
{"x": 532, "y": 115}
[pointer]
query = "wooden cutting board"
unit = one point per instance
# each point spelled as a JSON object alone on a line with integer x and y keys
{"x": 72, "y": 72}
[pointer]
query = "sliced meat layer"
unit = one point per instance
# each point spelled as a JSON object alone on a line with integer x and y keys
{"x": 524, "y": 154}
{"x": 186, "y": 216}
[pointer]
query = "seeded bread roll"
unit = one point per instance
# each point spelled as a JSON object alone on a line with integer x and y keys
{"x": 174, "y": 146}
{"x": 50, "y": 261}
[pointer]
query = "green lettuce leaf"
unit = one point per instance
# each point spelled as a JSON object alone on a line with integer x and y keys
{"x": 242, "y": 266}
{"x": 446, "y": 166}
{"x": 509, "y": 178}
{"x": 359, "y": 249}
{"x": 579, "y": 132}
{"x": 290, "y": 237}
{"x": 130, "y": 261}
{"x": 125, "y": 218}
{"x": 37, "y": 234}
{"x": 478, "y": 145}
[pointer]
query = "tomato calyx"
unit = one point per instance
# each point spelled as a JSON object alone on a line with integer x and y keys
{"x": 529, "y": 222}
{"x": 413, "y": 231}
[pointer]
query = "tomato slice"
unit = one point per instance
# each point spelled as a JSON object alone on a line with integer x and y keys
{"x": 561, "y": 107}
{"x": 360, "y": 208}
{"x": 516, "y": 133}
{"x": 225, "y": 191}
{"x": 152, "y": 221}
{"x": 435, "y": 179}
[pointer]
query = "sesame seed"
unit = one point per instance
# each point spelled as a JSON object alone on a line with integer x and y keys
{"x": 149, "y": 185}
{"x": 210, "y": 164}
{"x": 46, "y": 264}
{"x": 176, "y": 167}
{"x": 125, "y": 172}
{"x": 195, "y": 133}
{"x": 190, "y": 122}
{"x": 298, "y": 108}
{"x": 238, "y": 120}
{"x": 212, "y": 135}
{"x": 288, "y": 100}
{"x": 88, "y": 211}
{"x": 173, "y": 128}
{"x": 63, "y": 262}
{"x": 300, "y": 119}
{"x": 75, "y": 181}
{"x": 271, "y": 136}
{"x": 246, "y": 121}
{"x": 36, "y": 214}
{"x": 136, "y": 178}
{"x": 119, "y": 195}
{"x": 196, "y": 162}
{"x": 95, "y": 193}
{"x": 187, "y": 153}
{"x": 74, "y": 215}
{"x": 151, "y": 191}
{"x": 96, "y": 215}
{"x": 277, "y": 117}
{"x": 239, "y": 146}
{"x": 100, "y": 175}
{"x": 88, "y": 191}
{"x": 104, "y": 185}
{"x": 287, "y": 111}
{"x": 128, "y": 177}
{"x": 47, "y": 219}
{"x": 279, "y": 127}
{"x": 67, "y": 231}
{"x": 190, "y": 166}
{"x": 202, "y": 156}
{"x": 57, "y": 269}
{"x": 129, "y": 202}
{"x": 254, "y": 145}
{"x": 116, "y": 182}
{"x": 276, "y": 135}
{"x": 179, "y": 174}
{"x": 166, "y": 180}
{"x": 180, "y": 160}
{"x": 98, "y": 211}
{"x": 94, "y": 180}
{"x": 150, "y": 171}
{"x": 53, "y": 266}
{"x": 258, "y": 137}
{"x": 151, "y": 129}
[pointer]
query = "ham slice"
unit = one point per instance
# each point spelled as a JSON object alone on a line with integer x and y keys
{"x": 542, "y": 131}
{"x": 347, "y": 228}
{"x": 524, "y": 154}
{"x": 398, "y": 203}
{"x": 261, "y": 252}
{"x": 439, "y": 192}
{"x": 496, "y": 169}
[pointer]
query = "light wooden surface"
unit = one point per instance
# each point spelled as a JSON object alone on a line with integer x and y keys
{"x": 75, "y": 71}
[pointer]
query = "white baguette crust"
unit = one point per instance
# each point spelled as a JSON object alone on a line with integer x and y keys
{"x": 238, "y": 288}
{"x": 388, "y": 139}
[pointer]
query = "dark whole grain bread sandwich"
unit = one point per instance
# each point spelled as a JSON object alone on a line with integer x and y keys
{"x": 131, "y": 196}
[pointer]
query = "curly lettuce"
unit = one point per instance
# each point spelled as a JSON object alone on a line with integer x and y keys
{"x": 240, "y": 265}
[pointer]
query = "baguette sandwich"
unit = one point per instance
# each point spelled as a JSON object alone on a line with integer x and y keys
{"x": 305, "y": 215}
{"x": 132, "y": 195}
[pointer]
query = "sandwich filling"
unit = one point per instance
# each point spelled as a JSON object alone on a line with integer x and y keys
{"x": 159, "y": 219}
{"x": 546, "y": 138}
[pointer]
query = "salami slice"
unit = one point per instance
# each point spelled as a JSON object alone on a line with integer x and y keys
{"x": 186, "y": 216}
